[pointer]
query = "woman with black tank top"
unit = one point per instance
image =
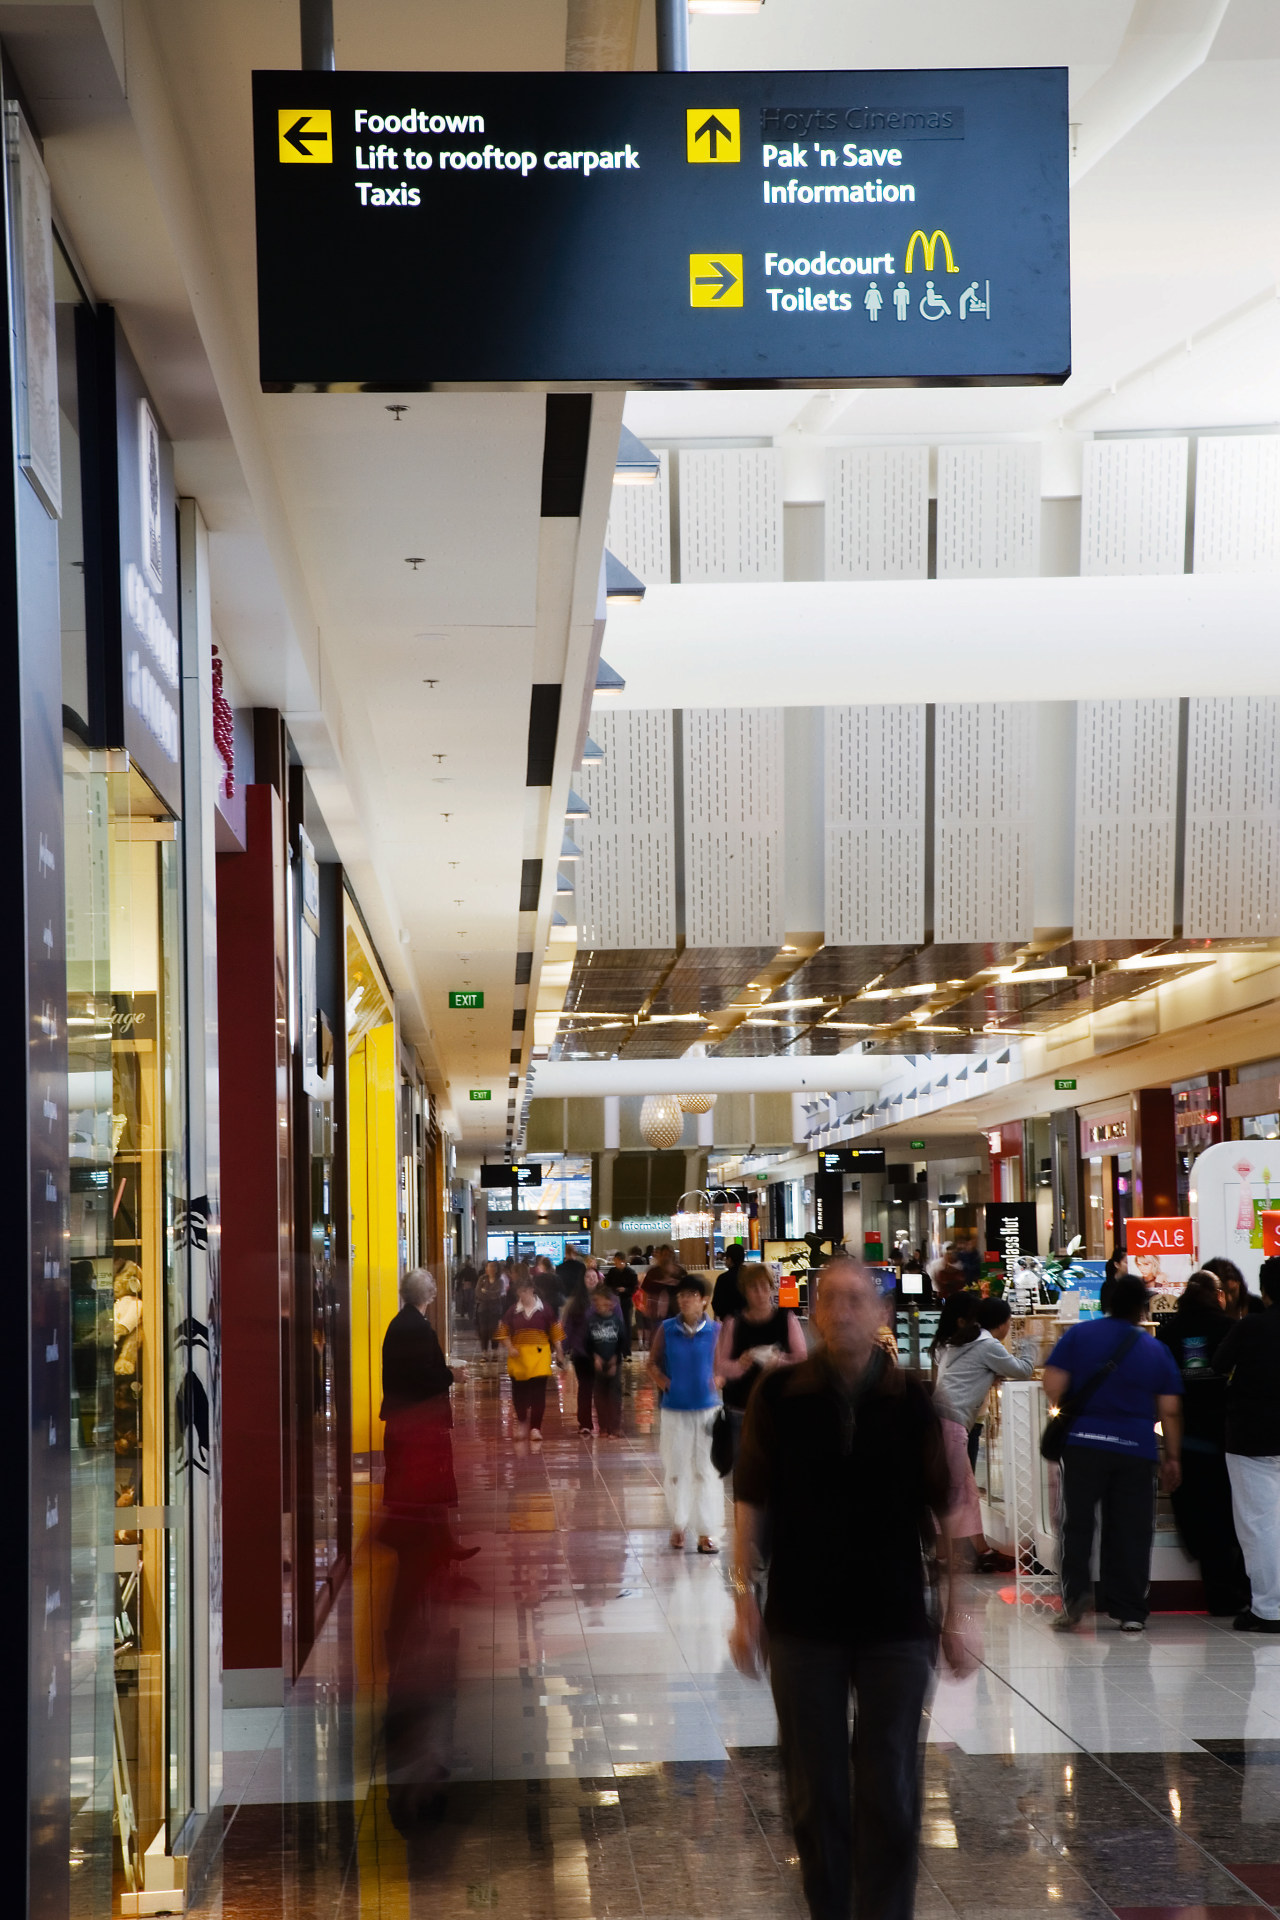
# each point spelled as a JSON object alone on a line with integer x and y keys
{"x": 751, "y": 1342}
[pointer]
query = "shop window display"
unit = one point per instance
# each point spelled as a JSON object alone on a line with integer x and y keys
{"x": 136, "y": 1424}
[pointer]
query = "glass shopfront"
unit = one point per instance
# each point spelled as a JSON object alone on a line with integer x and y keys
{"x": 139, "y": 1418}
{"x": 135, "y": 1419}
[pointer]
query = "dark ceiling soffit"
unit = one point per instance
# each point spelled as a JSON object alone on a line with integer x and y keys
{"x": 544, "y": 722}
{"x": 564, "y": 454}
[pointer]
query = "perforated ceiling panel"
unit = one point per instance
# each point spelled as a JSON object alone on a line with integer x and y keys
{"x": 731, "y": 514}
{"x": 1238, "y": 503}
{"x": 988, "y": 512}
{"x": 733, "y": 800}
{"x": 878, "y": 513}
{"x": 626, "y": 878}
{"x": 1231, "y": 876}
{"x": 984, "y": 821}
{"x": 639, "y": 529}
{"x": 1133, "y": 507}
{"x": 1126, "y": 818}
{"x": 875, "y": 825}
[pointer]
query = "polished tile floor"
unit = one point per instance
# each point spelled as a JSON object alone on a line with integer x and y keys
{"x": 571, "y": 1740}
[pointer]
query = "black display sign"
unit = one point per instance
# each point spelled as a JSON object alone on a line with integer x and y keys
{"x": 131, "y": 548}
{"x": 881, "y": 228}
{"x": 851, "y": 1160}
{"x": 511, "y": 1176}
{"x": 1011, "y": 1230}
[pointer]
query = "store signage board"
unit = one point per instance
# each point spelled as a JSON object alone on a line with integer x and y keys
{"x": 462, "y": 999}
{"x": 851, "y": 1160}
{"x": 142, "y": 665}
{"x": 812, "y": 229}
{"x": 1162, "y": 1248}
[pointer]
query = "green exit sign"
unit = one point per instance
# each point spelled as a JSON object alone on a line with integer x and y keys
{"x": 917, "y": 1146}
{"x": 481, "y": 1093}
{"x": 1064, "y": 1086}
{"x": 466, "y": 1000}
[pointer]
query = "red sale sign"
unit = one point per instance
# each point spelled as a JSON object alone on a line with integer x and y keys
{"x": 1171, "y": 1233}
{"x": 1270, "y": 1233}
{"x": 1161, "y": 1251}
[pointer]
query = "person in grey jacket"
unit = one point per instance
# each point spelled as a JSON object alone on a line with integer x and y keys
{"x": 969, "y": 1356}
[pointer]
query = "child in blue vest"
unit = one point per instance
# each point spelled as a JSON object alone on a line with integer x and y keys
{"x": 680, "y": 1362}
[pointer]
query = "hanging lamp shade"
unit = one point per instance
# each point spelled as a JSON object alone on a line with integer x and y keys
{"x": 661, "y": 1121}
{"x": 696, "y": 1102}
{"x": 693, "y": 1223}
{"x": 735, "y": 1225}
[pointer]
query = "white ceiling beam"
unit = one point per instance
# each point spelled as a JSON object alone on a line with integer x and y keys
{"x": 839, "y": 642}
{"x": 1165, "y": 42}
{"x": 815, "y": 1073}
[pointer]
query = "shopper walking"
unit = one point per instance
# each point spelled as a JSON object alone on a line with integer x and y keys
{"x": 1237, "y": 1301}
{"x": 654, "y": 1296}
{"x": 624, "y": 1280}
{"x": 726, "y": 1295}
{"x": 759, "y": 1337}
{"x": 841, "y": 1474}
{"x": 573, "y": 1319}
{"x": 968, "y": 1360}
{"x": 947, "y": 1276}
{"x": 681, "y": 1364}
{"x": 1115, "y": 1381}
{"x": 1250, "y": 1359}
{"x": 488, "y": 1307}
{"x": 531, "y": 1333}
{"x": 606, "y": 1342}
{"x": 1193, "y": 1333}
{"x": 419, "y": 1489}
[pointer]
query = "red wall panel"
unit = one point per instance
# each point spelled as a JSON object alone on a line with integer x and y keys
{"x": 253, "y": 1104}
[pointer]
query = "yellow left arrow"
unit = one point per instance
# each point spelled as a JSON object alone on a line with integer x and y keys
{"x": 306, "y": 136}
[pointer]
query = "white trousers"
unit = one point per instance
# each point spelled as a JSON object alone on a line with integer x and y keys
{"x": 695, "y": 1494}
{"x": 1255, "y": 1502}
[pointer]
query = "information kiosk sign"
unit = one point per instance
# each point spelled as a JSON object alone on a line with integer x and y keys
{"x": 736, "y": 229}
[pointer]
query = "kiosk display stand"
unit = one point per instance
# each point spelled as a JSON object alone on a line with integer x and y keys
{"x": 1026, "y": 1493}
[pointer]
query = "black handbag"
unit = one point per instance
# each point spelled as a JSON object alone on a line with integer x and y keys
{"x": 722, "y": 1443}
{"x": 1053, "y": 1441}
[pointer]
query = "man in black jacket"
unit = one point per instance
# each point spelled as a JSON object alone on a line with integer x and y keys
{"x": 1250, "y": 1358}
{"x": 842, "y": 1470}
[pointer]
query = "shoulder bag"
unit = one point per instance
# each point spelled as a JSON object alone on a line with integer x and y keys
{"x": 1053, "y": 1441}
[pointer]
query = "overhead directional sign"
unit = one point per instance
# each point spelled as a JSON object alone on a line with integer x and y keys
{"x": 812, "y": 229}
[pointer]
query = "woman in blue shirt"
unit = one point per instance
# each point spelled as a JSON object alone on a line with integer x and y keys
{"x": 1111, "y": 1455}
{"x": 681, "y": 1364}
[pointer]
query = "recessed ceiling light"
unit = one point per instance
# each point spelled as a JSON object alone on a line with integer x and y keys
{"x": 1013, "y": 976}
{"x": 1146, "y": 962}
{"x": 897, "y": 993}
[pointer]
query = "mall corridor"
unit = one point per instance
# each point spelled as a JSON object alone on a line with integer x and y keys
{"x": 604, "y": 1759}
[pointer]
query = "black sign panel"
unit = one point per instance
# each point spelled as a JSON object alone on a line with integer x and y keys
{"x": 851, "y": 1160}
{"x": 714, "y": 228}
{"x": 131, "y": 552}
{"x": 511, "y": 1176}
{"x": 1011, "y": 1229}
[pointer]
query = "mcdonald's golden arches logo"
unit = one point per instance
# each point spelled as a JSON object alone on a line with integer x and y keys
{"x": 929, "y": 247}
